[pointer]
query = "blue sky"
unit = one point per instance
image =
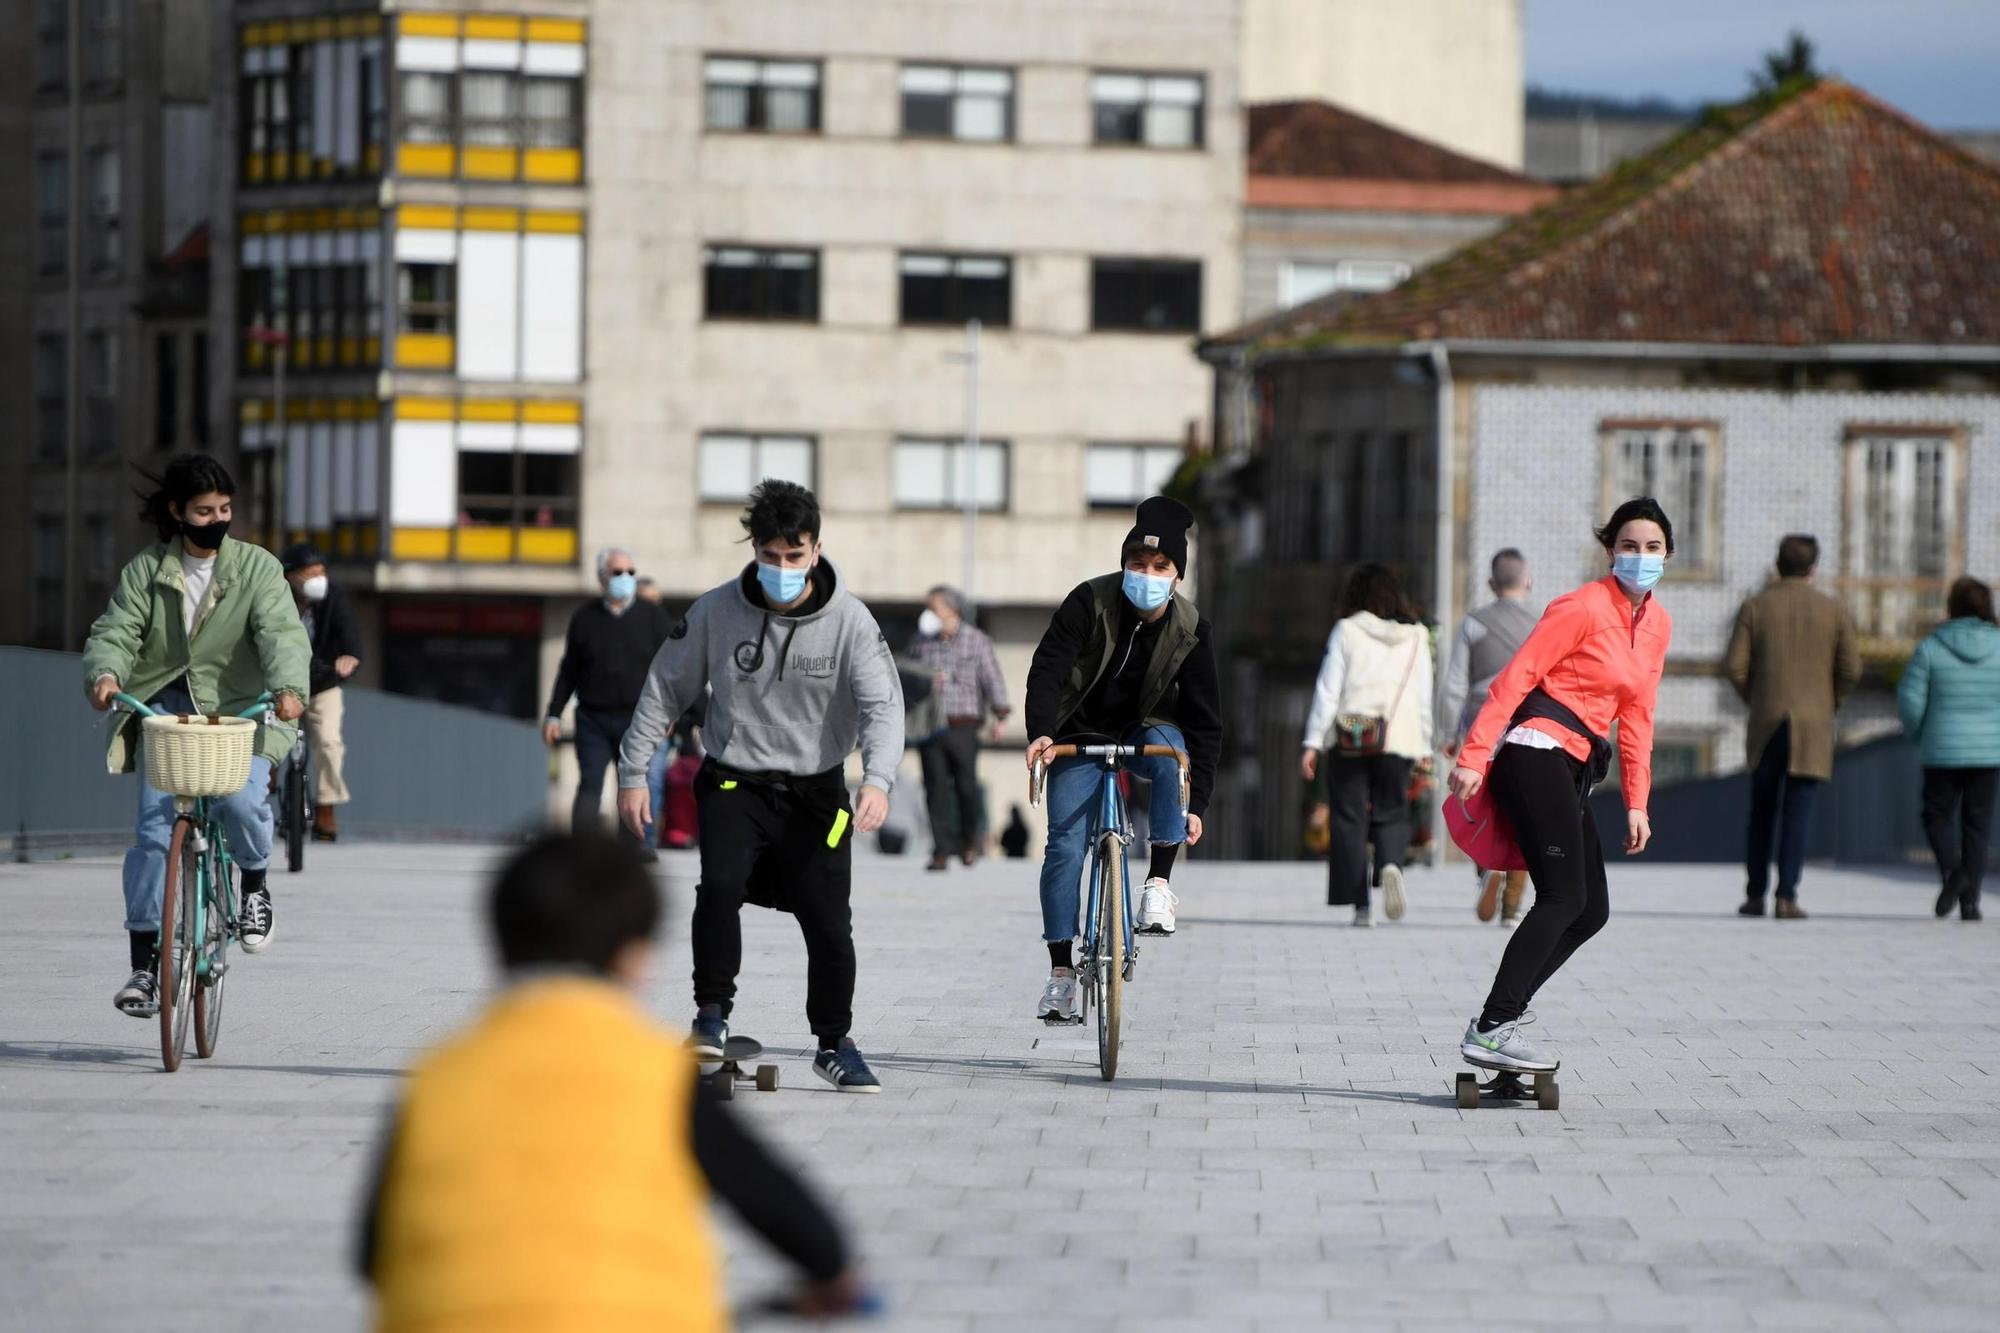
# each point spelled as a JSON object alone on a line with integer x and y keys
{"x": 1938, "y": 60}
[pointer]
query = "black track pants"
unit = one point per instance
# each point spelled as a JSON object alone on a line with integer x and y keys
{"x": 1537, "y": 791}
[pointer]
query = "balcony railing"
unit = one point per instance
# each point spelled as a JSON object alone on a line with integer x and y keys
{"x": 1891, "y": 613}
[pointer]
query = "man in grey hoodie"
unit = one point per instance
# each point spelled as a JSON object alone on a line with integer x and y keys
{"x": 795, "y": 670}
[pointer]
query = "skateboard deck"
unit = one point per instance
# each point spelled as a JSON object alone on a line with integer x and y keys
{"x": 720, "y": 1077}
{"x": 1507, "y": 1086}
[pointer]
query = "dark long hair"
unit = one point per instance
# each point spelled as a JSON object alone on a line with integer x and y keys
{"x": 1970, "y": 598}
{"x": 1376, "y": 589}
{"x": 185, "y": 477}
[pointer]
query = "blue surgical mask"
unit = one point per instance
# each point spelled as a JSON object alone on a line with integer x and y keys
{"x": 1639, "y": 572}
{"x": 781, "y": 586}
{"x": 622, "y": 587}
{"x": 1148, "y": 592}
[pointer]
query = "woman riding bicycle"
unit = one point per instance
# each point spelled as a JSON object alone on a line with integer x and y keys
{"x": 197, "y": 624}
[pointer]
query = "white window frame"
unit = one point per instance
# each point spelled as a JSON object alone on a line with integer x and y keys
{"x": 757, "y": 75}
{"x": 1151, "y": 466}
{"x": 910, "y": 451}
{"x": 714, "y": 488}
{"x": 966, "y": 86}
{"x": 1295, "y": 287}
{"x": 1894, "y": 581}
{"x": 1653, "y": 458}
{"x": 1160, "y": 92}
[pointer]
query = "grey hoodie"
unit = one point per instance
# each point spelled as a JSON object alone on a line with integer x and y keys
{"x": 786, "y": 694}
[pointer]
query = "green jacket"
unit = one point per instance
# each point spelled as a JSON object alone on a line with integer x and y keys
{"x": 247, "y": 639}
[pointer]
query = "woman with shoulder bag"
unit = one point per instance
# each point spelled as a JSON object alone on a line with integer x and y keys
{"x": 1370, "y": 722}
{"x": 1593, "y": 660}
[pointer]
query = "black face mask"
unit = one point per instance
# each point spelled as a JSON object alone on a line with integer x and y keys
{"x": 207, "y": 536}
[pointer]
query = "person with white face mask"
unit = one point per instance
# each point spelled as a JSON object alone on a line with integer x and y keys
{"x": 336, "y": 654}
{"x": 965, "y": 673}
{"x": 1127, "y": 656}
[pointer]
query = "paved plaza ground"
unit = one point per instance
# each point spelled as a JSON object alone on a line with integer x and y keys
{"x": 1763, "y": 1124}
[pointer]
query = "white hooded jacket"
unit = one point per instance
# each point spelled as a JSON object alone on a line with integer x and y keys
{"x": 1371, "y": 666}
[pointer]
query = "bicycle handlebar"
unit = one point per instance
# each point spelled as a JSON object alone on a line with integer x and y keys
{"x": 139, "y": 706}
{"x": 1038, "y": 779}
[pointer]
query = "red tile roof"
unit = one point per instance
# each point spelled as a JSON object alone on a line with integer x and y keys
{"x": 1318, "y": 139}
{"x": 1816, "y": 217}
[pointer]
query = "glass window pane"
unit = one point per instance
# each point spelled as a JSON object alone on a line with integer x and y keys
{"x": 992, "y": 476}
{"x": 786, "y": 458}
{"x": 981, "y": 119}
{"x": 1117, "y": 88}
{"x": 922, "y": 476}
{"x": 726, "y": 468}
{"x": 791, "y": 74}
{"x": 1159, "y": 464}
{"x": 982, "y": 268}
{"x": 990, "y": 82}
{"x": 1177, "y": 91}
{"x": 927, "y": 115}
{"x": 928, "y": 266}
{"x": 1170, "y": 126}
{"x": 791, "y": 109}
{"x": 1107, "y": 474}
{"x": 927, "y": 79}
{"x": 731, "y": 71}
{"x": 728, "y": 107}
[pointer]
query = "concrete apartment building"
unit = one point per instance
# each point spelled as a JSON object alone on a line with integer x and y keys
{"x": 104, "y": 115}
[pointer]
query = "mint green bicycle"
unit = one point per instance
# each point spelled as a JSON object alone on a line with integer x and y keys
{"x": 197, "y": 912}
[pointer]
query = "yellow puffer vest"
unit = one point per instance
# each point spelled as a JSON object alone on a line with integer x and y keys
{"x": 543, "y": 1177}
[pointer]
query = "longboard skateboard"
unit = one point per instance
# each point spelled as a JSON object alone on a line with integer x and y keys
{"x": 1507, "y": 1086}
{"x": 720, "y": 1077}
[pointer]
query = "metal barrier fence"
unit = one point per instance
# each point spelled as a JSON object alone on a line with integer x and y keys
{"x": 1867, "y": 814}
{"x": 417, "y": 770}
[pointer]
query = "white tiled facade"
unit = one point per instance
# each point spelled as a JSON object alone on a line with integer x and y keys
{"x": 1537, "y": 483}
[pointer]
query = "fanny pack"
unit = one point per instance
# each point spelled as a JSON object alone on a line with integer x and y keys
{"x": 1541, "y": 704}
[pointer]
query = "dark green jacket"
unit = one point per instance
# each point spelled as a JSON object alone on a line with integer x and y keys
{"x": 247, "y": 639}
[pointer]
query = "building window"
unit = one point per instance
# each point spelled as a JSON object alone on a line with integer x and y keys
{"x": 1304, "y": 280}
{"x": 1675, "y": 463}
{"x": 516, "y": 489}
{"x": 198, "y": 384}
{"x": 1153, "y": 110}
{"x": 1145, "y": 295}
{"x": 951, "y": 289}
{"x": 426, "y": 107}
{"x": 426, "y": 298}
{"x": 1118, "y": 476}
{"x": 100, "y": 388}
{"x": 951, "y": 102}
{"x": 51, "y": 395}
{"x": 305, "y": 57}
{"x": 1904, "y": 533}
{"x": 52, "y": 46}
{"x": 104, "y": 186}
{"x": 51, "y": 214}
{"x": 166, "y": 390}
{"x": 771, "y": 95}
{"x": 374, "y": 104}
{"x": 489, "y": 107}
{"x": 104, "y": 37}
{"x": 732, "y": 464}
{"x": 551, "y": 113}
{"x": 745, "y": 282}
{"x": 929, "y": 474}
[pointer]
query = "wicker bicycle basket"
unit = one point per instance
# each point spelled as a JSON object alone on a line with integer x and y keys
{"x": 198, "y": 756}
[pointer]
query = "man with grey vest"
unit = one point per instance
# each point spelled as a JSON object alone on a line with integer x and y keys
{"x": 1487, "y": 640}
{"x": 1127, "y": 657}
{"x": 795, "y": 671}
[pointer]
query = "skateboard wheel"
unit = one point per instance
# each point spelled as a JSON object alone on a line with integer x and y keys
{"x": 767, "y": 1078}
{"x": 723, "y": 1084}
{"x": 1468, "y": 1092}
{"x": 1547, "y": 1095}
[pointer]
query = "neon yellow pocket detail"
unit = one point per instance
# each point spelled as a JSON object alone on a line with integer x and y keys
{"x": 729, "y": 785}
{"x": 839, "y": 827}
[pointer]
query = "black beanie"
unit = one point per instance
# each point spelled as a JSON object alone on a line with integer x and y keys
{"x": 1162, "y": 524}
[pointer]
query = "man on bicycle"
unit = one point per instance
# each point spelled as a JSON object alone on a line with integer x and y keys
{"x": 795, "y": 669}
{"x": 199, "y": 623}
{"x": 1129, "y": 659}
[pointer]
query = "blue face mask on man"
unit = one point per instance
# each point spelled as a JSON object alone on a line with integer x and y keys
{"x": 1639, "y": 573}
{"x": 781, "y": 586}
{"x": 1148, "y": 592}
{"x": 622, "y": 587}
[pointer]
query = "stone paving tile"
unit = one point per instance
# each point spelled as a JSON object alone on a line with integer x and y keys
{"x": 1763, "y": 1125}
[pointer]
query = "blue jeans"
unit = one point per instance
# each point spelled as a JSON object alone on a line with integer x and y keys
{"x": 246, "y": 822}
{"x": 656, "y": 786}
{"x": 1072, "y": 802}
{"x": 1775, "y": 796}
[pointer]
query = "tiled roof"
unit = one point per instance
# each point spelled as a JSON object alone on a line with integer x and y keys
{"x": 1817, "y": 216}
{"x": 1318, "y": 139}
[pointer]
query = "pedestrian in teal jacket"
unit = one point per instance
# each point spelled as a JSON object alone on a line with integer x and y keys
{"x": 1950, "y": 702}
{"x": 199, "y": 623}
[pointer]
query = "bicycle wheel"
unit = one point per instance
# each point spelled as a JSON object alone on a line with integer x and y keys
{"x": 295, "y": 814}
{"x": 177, "y": 944}
{"x": 215, "y": 947}
{"x": 1110, "y": 953}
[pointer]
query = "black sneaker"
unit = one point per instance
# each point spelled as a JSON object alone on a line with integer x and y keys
{"x": 140, "y": 996}
{"x": 254, "y": 928}
{"x": 711, "y": 1033}
{"x": 845, "y": 1069}
{"x": 1968, "y": 910}
{"x": 1948, "y": 896}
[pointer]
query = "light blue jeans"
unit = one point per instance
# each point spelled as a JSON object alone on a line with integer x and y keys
{"x": 656, "y": 786}
{"x": 246, "y": 822}
{"x": 1072, "y": 801}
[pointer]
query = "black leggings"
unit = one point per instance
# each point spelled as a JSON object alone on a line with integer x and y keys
{"x": 1537, "y": 790}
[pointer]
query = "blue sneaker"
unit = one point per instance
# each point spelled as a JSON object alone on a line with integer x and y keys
{"x": 845, "y": 1069}
{"x": 711, "y": 1033}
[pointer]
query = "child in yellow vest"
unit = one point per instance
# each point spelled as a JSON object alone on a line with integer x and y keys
{"x": 550, "y": 1168}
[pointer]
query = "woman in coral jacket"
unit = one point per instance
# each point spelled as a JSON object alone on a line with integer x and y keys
{"x": 1593, "y": 660}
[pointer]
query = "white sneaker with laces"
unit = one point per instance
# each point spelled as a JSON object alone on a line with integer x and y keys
{"x": 1156, "y": 908}
{"x": 1394, "y": 901}
{"x": 1058, "y": 1002}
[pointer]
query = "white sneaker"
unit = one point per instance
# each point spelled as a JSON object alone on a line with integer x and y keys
{"x": 1156, "y": 908}
{"x": 1393, "y": 900}
{"x": 1363, "y": 919}
{"x": 1058, "y": 1003}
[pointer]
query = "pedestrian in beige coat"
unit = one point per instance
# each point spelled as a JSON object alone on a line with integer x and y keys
{"x": 1793, "y": 659}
